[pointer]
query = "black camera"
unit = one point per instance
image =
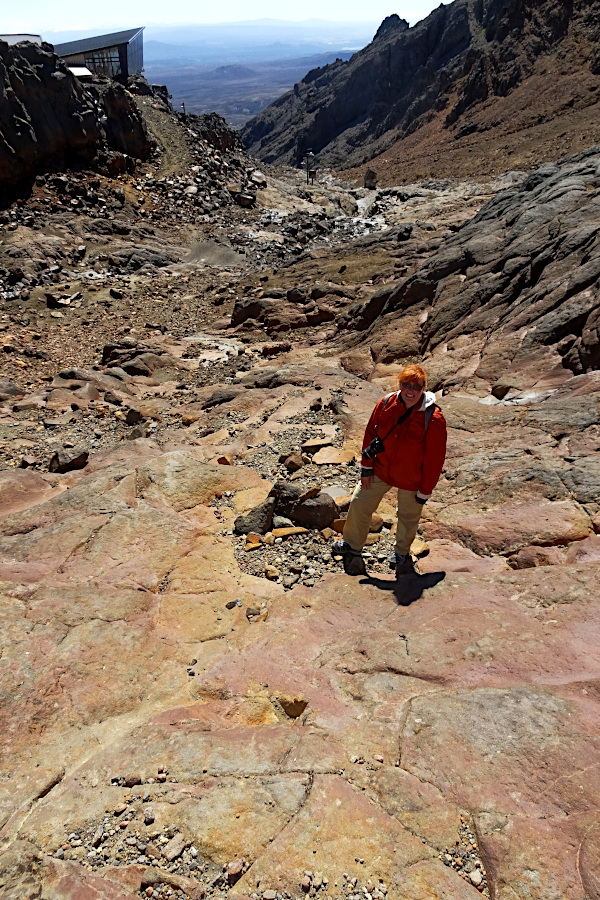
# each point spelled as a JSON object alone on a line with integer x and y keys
{"x": 375, "y": 447}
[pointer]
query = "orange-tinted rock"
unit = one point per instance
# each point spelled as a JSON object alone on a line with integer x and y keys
{"x": 190, "y": 417}
{"x": 376, "y": 523}
{"x": 332, "y": 456}
{"x": 289, "y": 531}
{"x": 292, "y": 706}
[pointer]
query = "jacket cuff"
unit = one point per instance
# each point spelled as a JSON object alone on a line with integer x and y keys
{"x": 422, "y": 498}
{"x": 366, "y": 471}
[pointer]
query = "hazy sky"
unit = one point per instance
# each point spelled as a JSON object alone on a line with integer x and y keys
{"x": 43, "y": 17}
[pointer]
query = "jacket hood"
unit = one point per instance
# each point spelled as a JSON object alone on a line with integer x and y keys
{"x": 428, "y": 400}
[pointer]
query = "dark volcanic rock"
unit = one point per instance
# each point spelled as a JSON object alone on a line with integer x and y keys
{"x": 46, "y": 116}
{"x": 314, "y": 512}
{"x": 68, "y": 460}
{"x": 461, "y": 55}
{"x": 50, "y": 121}
{"x": 134, "y": 258}
{"x": 520, "y": 279}
{"x": 258, "y": 519}
{"x": 125, "y": 128}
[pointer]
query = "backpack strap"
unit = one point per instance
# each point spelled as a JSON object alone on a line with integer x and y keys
{"x": 387, "y": 398}
{"x": 428, "y": 414}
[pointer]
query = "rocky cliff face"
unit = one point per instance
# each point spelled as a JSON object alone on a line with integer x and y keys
{"x": 520, "y": 279}
{"x": 461, "y": 56}
{"x": 49, "y": 120}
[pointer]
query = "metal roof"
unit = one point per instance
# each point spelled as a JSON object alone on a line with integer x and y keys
{"x": 100, "y": 42}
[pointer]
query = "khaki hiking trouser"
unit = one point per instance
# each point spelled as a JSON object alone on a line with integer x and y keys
{"x": 363, "y": 505}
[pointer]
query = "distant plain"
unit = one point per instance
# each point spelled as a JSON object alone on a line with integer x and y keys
{"x": 238, "y": 69}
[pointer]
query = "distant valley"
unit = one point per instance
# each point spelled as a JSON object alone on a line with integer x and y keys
{"x": 237, "y": 92}
{"x": 238, "y": 69}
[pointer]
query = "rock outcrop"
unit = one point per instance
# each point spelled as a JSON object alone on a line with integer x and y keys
{"x": 513, "y": 295}
{"x": 462, "y": 55}
{"x": 49, "y": 121}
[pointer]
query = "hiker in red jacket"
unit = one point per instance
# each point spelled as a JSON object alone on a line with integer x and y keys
{"x": 404, "y": 447}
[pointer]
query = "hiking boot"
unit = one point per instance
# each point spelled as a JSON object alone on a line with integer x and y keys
{"x": 403, "y": 564}
{"x": 341, "y": 548}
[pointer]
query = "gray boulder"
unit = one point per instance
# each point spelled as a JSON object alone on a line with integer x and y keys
{"x": 258, "y": 520}
{"x": 8, "y": 390}
{"x": 68, "y": 460}
{"x": 313, "y": 512}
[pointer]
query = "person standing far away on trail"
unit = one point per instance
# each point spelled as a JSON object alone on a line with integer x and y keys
{"x": 404, "y": 447}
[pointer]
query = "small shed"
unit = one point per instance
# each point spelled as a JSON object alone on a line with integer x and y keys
{"x": 117, "y": 55}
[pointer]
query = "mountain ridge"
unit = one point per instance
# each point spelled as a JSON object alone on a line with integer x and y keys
{"x": 463, "y": 57}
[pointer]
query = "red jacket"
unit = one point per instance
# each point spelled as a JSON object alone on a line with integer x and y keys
{"x": 412, "y": 460}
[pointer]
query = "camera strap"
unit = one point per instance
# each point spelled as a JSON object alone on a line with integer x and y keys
{"x": 428, "y": 414}
{"x": 402, "y": 418}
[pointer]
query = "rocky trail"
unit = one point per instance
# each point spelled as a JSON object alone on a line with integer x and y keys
{"x": 197, "y": 700}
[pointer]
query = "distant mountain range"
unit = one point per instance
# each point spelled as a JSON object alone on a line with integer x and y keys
{"x": 241, "y": 42}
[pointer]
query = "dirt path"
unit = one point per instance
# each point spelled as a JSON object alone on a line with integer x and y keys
{"x": 176, "y": 156}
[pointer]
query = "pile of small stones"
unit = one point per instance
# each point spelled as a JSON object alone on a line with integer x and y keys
{"x": 306, "y": 558}
{"x": 316, "y": 884}
{"x": 465, "y": 859}
{"x": 120, "y": 839}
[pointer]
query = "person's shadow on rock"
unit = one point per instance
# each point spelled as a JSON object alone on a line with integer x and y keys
{"x": 407, "y": 588}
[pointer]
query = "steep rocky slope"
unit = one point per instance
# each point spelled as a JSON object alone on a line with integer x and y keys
{"x": 513, "y": 294}
{"x": 437, "y": 97}
{"x": 196, "y": 700}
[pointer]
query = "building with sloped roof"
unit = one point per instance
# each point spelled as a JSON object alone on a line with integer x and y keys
{"x": 117, "y": 55}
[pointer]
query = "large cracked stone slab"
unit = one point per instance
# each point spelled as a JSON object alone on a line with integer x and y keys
{"x": 336, "y": 826}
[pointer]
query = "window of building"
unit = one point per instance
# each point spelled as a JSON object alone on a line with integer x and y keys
{"x": 104, "y": 62}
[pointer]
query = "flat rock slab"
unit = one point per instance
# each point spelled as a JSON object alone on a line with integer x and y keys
{"x": 511, "y": 526}
{"x": 336, "y": 825}
{"x": 468, "y": 693}
{"x": 20, "y": 489}
{"x": 331, "y": 456}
